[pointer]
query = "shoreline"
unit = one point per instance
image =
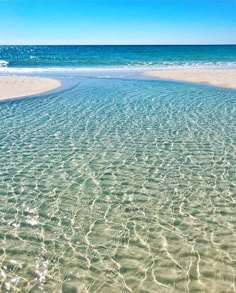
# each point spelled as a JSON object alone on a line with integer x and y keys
{"x": 13, "y": 87}
{"x": 225, "y": 78}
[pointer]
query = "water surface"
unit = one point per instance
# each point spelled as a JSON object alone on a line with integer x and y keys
{"x": 100, "y": 58}
{"x": 119, "y": 186}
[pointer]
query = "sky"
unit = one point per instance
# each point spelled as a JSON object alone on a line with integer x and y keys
{"x": 117, "y": 22}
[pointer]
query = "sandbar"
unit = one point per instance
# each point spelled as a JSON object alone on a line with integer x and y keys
{"x": 21, "y": 86}
{"x": 216, "y": 77}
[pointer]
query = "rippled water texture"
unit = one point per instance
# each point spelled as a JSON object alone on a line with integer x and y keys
{"x": 44, "y": 58}
{"x": 119, "y": 186}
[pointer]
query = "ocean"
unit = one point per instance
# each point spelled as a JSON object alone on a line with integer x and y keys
{"x": 116, "y": 183}
{"x": 56, "y": 58}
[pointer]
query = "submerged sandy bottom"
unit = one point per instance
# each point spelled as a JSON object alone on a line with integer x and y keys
{"x": 20, "y": 86}
{"x": 221, "y": 78}
{"x": 119, "y": 186}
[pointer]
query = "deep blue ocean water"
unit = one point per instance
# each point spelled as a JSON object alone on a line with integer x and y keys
{"x": 121, "y": 57}
{"x": 118, "y": 184}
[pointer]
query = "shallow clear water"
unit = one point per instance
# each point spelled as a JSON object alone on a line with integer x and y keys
{"x": 119, "y": 186}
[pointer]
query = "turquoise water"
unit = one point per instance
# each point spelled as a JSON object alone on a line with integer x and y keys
{"x": 56, "y": 58}
{"x": 119, "y": 186}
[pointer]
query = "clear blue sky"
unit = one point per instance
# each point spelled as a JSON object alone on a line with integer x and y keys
{"x": 118, "y": 21}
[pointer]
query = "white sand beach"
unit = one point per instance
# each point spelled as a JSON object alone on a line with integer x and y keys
{"x": 216, "y": 77}
{"x": 18, "y": 86}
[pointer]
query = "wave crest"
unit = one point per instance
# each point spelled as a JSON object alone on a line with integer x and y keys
{"x": 3, "y": 63}
{"x": 130, "y": 67}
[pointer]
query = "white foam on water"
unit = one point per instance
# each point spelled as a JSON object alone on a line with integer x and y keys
{"x": 144, "y": 67}
{"x": 3, "y": 63}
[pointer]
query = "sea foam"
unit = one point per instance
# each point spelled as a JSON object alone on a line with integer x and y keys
{"x": 3, "y": 63}
{"x": 136, "y": 67}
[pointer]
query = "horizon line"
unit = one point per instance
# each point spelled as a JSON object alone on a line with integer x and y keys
{"x": 119, "y": 44}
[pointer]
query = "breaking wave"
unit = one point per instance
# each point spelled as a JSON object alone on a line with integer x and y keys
{"x": 144, "y": 67}
{"x": 3, "y": 63}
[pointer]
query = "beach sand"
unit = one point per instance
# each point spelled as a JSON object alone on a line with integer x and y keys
{"x": 216, "y": 77}
{"x": 18, "y": 86}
